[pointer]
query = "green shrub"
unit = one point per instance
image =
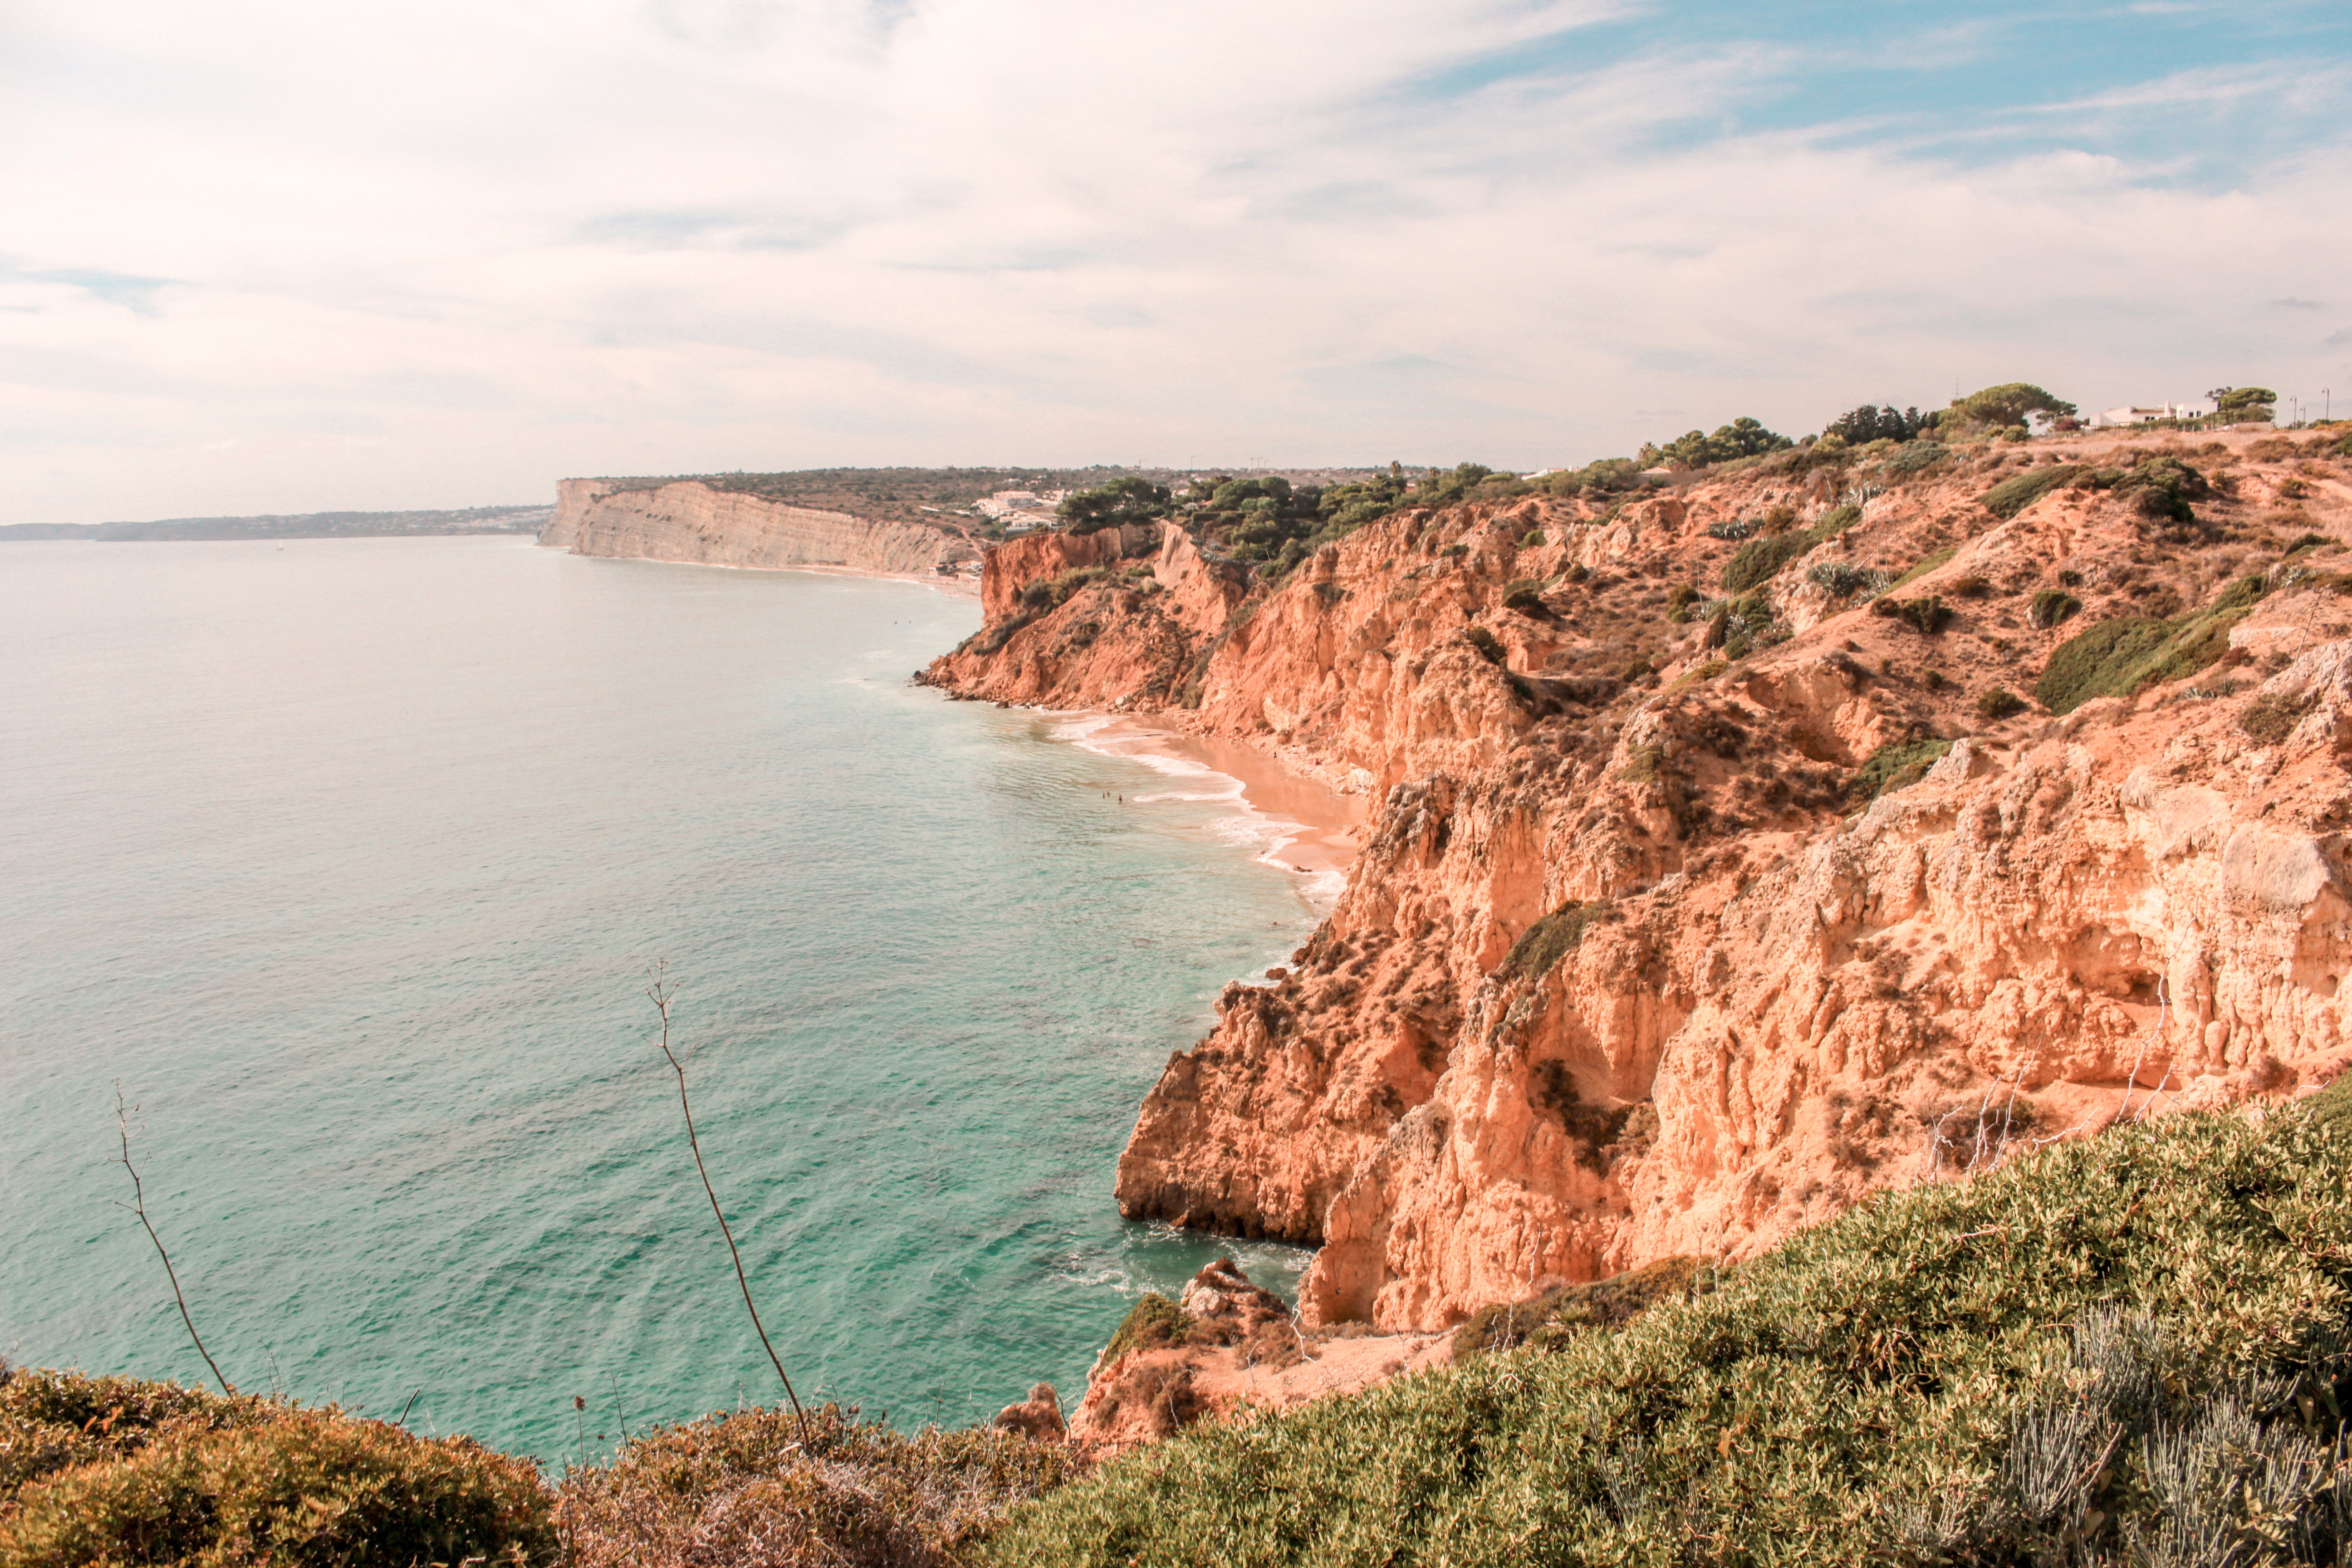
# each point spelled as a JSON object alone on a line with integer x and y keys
{"x": 109, "y": 1470}
{"x": 753, "y": 1486}
{"x": 1679, "y": 600}
{"x": 1489, "y": 646}
{"x": 1525, "y": 594}
{"x": 1548, "y": 1320}
{"x": 1532, "y": 540}
{"x": 1842, "y": 579}
{"x": 2050, "y": 607}
{"x": 1896, "y": 767}
{"x": 1999, "y": 702}
{"x": 2157, "y": 487}
{"x": 1927, "y": 563}
{"x": 1882, "y": 1388}
{"x": 1927, "y": 614}
{"x": 1049, "y": 594}
{"x": 1154, "y": 1320}
{"x": 1915, "y": 456}
{"x": 2017, "y": 492}
{"x": 1554, "y": 937}
{"x": 1835, "y": 521}
{"x": 2116, "y": 658}
{"x": 1759, "y": 559}
{"x": 993, "y": 640}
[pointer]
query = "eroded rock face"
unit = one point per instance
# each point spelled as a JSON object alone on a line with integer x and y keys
{"x": 688, "y": 521}
{"x": 1628, "y": 968}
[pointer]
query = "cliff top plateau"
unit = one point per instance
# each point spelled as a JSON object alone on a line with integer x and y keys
{"x": 936, "y": 497}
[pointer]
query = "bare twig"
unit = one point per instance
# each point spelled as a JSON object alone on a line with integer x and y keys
{"x": 138, "y": 1206}
{"x": 2009, "y": 1111}
{"x": 404, "y": 1409}
{"x": 661, "y": 992}
{"x": 1937, "y": 1144}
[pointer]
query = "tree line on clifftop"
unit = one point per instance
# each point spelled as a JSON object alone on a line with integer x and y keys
{"x": 1272, "y": 525}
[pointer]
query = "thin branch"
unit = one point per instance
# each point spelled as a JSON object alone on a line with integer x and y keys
{"x": 2009, "y": 1111}
{"x": 661, "y": 994}
{"x": 138, "y": 1206}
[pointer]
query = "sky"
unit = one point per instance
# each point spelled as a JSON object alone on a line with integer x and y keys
{"x": 265, "y": 256}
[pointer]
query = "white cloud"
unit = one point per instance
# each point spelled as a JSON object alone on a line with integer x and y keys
{"x": 448, "y": 256}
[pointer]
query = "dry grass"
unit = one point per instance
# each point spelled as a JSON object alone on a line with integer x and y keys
{"x": 742, "y": 1489}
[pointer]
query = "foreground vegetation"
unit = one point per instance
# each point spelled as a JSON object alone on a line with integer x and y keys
{"x": 98, "y": 1470}
{"x": 112, "y": 1469}
{"x": 2132, "y": 1349}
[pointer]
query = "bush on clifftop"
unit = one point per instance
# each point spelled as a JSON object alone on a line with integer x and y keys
{"x": 2116, "y": 658}
{"x": 2131, "y": 1348}
{"x": 114, "y": 1471}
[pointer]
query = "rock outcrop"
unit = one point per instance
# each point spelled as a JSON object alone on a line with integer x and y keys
{"x": 689, "y": 522}
{"x": 1689, "y": 914}
{"x": 1038, "y": 1416}
{"x": 1223, "y": 1345}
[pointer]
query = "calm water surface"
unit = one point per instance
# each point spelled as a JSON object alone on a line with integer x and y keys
{"x": 347, "y": 858}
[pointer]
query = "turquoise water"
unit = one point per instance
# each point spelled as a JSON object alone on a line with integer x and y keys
{"x": 347, "y": 859}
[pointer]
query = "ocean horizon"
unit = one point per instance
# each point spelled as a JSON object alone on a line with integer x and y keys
{"x": 347, "y": 858}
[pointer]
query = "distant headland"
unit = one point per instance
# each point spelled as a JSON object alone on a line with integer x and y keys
{"x": 297, "y": 525}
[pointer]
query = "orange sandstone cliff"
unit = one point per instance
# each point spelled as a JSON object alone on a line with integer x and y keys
{"x": 1688, "y": 915}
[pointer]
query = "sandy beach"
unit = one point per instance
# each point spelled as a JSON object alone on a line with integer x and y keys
{"x": 1314, "y": 830}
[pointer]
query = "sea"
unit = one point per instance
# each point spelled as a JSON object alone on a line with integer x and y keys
{"x": 346, "y": 865}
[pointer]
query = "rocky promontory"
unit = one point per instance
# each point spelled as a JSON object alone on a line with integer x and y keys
{"x": 1748, "y": 840}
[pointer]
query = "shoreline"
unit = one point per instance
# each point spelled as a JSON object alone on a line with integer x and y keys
{"x": 1315, "y": 828}
{"x": 957, "y": 583}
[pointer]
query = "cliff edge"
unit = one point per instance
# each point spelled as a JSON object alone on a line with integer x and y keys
{"x": 1821, "y": 824}
{"x": 689, "y": 520}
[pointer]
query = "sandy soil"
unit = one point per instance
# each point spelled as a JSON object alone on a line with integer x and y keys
{"x": 1337, "y": 1366}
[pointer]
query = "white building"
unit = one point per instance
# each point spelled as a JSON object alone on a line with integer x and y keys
{"x": 2133, "y": 414}
{"x": 1021, "y": 510}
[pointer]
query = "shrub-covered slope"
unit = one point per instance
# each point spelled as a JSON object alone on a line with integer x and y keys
{"x": 2129, "y": 1349}
{"x": 115, "y": 1470}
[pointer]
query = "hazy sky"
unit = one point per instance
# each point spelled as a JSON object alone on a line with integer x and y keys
{"x": 262, "y": 256}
